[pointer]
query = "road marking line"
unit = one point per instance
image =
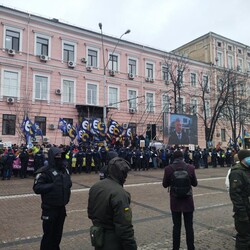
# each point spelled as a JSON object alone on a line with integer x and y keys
{"x": 87, "y": 189}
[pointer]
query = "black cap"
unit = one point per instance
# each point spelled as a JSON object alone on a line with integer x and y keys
{"x": 243, "y": 153}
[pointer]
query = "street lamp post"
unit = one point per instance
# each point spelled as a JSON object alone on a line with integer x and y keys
{"x": 105, "y": 65}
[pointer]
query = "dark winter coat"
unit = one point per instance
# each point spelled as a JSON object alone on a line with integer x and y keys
{"x": 176, "y": 204}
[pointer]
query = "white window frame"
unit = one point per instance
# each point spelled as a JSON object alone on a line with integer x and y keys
{"x": 74, "y": 89}
{"x": 208, "y": 108}
{"x": 146, "y": 102}
{"x": 230, "y": 61}
{"x": 220, "y": 59}
{"x": 69, "y": 43}
{"x": 97, "y": 55}
{"x": 34, "y": 87}
{"x": 117, "y": 104}
{"x": 167, "y": 73}
{"x": 153, "y": 69}
{"x": 45, "y": 37}
{"x": 16, "y": 30}
{"x": 183, "y": 108}
{"x": 135, "y": 101}
{"x": 18, "y": 72}
{"x": 248, "y": 65}
{"x": 193, "y": 106}
{"x": 136, "y": 66}
{"x": 240, "y": 64}
{"x": 165, "y": 103}
{"x": 97, "y": 93}
{"x": 117, "y": 69}
{"x": 193, "y": 84}
{"x": 208, "y": 82}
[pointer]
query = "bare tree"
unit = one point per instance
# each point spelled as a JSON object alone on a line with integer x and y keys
{"x": 213, "y": 93}
{"x": 236, "y": 109}
{"x": 175, "y": 66}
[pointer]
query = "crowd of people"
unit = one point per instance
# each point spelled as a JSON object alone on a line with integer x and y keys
{"x": 53, "y": 166}
{"x": 20, "y": 161}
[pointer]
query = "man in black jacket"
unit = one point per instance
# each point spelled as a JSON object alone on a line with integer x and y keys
{"x": 53, "y": 183}
{"x": 109, "y": 208}
{"x": 239, "y": 190}
{"x": 178, "y": 136}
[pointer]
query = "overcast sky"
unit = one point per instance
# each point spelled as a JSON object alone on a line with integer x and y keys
{"x": 161, "y": 24}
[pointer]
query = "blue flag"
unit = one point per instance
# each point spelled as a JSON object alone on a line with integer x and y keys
{"x": 62, "y": 125}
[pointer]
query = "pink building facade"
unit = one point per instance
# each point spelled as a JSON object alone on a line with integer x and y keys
{"x": 51, "y": 70}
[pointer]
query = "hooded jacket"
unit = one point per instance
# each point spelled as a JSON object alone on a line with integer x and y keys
{"x": 239, "y": 190}
{"x": 109, "y": 207}
{"x": 53, "y": 182}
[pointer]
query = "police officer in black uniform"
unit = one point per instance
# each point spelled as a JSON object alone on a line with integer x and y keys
{"x": 79, "y": 160}
{"x": 39, "y": 159}
{"x": 24, "y": 158}
{"x": 53, "y": 183}
{"x": 8, "y": 166}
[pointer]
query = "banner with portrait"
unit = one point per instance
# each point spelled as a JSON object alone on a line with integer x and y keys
{"x": 180, "y": 129}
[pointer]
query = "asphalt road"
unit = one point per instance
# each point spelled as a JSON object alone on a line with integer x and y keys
{"x": 213, "y": 223}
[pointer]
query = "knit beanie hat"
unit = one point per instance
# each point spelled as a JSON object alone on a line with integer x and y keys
{"x": 243, "y": 153}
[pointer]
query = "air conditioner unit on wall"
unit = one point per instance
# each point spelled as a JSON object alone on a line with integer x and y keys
{"x": 132, "y": 111}
{"x": 44, "y": 58}
{"x": 52, "y": 127}
{"x": 11, "y": 52}
{"x": 111, "y": 72}
{"x": 131, "y": 76}
{"x": 10, "y": 100}
{"x": 71, "y": 64}
{"x": 83, "y": 60}
{"x": 58, "y": 92}
{"x": 89, "y": 68}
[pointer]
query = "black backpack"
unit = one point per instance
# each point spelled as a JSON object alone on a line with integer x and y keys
{"x": 181, "y": 183}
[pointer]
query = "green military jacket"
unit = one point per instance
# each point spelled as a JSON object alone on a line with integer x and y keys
{"x": 239, "y": 190}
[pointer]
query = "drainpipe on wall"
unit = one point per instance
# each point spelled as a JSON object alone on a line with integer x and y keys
{"x": 27, "y": 65}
